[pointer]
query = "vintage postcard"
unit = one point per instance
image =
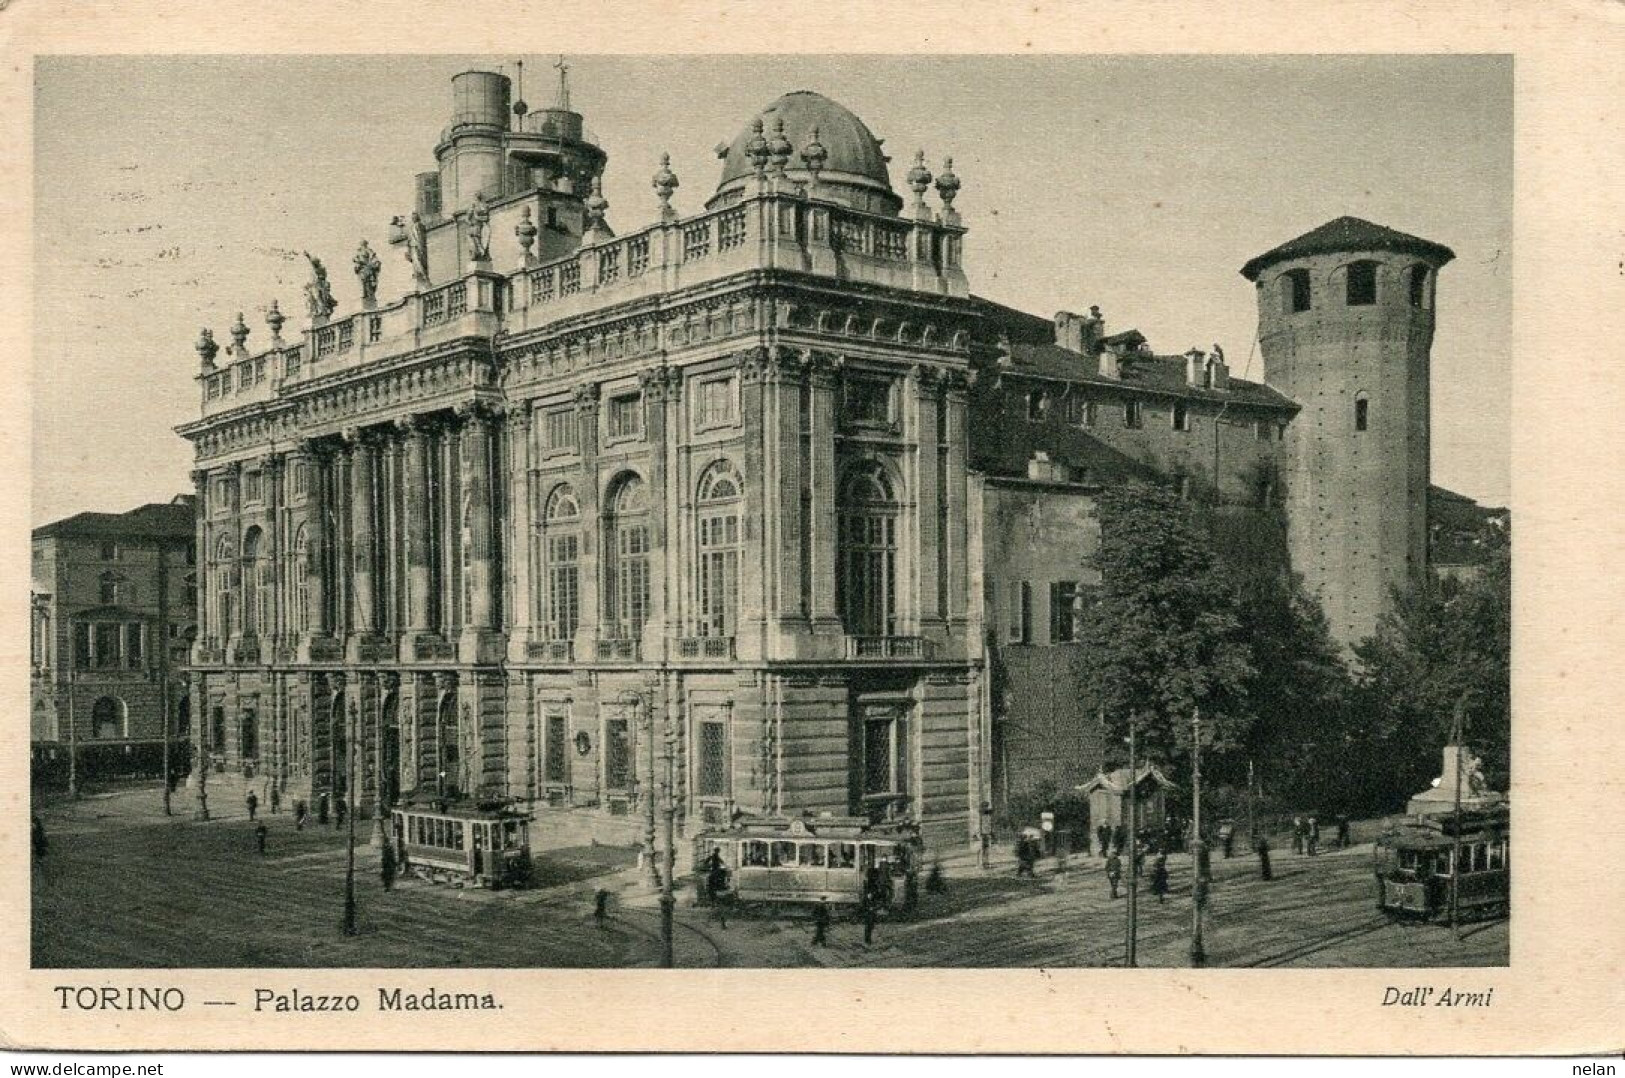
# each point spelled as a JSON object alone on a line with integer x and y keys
{"x": 975, "y": 530}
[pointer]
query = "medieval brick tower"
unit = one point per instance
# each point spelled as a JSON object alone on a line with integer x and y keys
{"x": 1345, "y": 324}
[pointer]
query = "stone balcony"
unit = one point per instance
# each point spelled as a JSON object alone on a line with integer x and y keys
{"x": 888, "y": 647}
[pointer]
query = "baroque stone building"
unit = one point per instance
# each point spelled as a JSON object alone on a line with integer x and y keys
{"x": 749, "y": 490}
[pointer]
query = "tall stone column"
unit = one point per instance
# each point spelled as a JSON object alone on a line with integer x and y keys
{"x": 318, "y": 537}
{"x": 478, "y": 430}
{"x": 415, "y": 440}
{"x": 956, "y": 386}
{"x": 759, "y": 479}
{"x": 783, "y": 559}
{"x": 274, "y": 619}
{"x": 364, "y": 623}
{"x": 232, "y": 628}
{"x": 824, "y": 375}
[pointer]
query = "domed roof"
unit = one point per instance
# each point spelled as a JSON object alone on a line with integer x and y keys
{"x": 855, "y": 165}
{"x": 1347, "y": 234}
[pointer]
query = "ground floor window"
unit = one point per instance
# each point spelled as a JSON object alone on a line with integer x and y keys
{"x": 711, "y": 778}
{"x": 884, "y": 741}
{"x": 617, "y": 755}
{"x": 555, "y": 763}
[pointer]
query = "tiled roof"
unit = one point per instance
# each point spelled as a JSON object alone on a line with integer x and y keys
{"x": 1348, "y": 234}
{"x": 1139, "y": 370}
{"x": 161, "y": 520}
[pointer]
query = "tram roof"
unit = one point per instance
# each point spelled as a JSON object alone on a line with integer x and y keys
{"x": 844, "y": 827}
{"x": 465, "y": 812}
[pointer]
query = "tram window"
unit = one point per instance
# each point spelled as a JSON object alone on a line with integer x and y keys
{"x": 783, "y": 854}
{"x": 457, "y": 837}
{"x": 755, "y": 854}
{"x": 842, "y": 855}
{"x": 812, "y": 855}
{"x": 1496, "y": 857}
{"x": 510, "y": 833}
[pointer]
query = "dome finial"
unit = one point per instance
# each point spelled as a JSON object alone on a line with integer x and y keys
{"x": 525, "y": 233}
{"x": 665, "y": 182}
{"x": 919, "y": 181}
{"x": 813, "y": 155}
{"x": 206, "y": 348}
{"x": 756, "y": 147}
{"x": 947, "y": 189}
{"x": 596, "y": 206}
{"x": 239, "y": 335}
{"x": 274, "y": 318}
{"x": 779, "y": 146}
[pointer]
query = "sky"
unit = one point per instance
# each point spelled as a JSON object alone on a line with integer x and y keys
{"x": 173, "y": 192}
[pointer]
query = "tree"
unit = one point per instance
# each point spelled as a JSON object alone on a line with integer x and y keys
{"x": 1445, "y": 641}
{"x": 1164, "y": 635}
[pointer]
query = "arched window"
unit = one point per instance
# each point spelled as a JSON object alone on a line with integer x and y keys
{"x": 109, "y": 718}
{"x": 1360, "y": 286}
{"x": 1294, "y": 291}
{"x": 297, "y": 568}
{"x": 716, "y": 577}
{"x": 224, "y": 568}
{"x": 256, "y": 585}
{"x": 561, "y": 538}
{"x": 626, "y": 544}
{"x": 867, "y": 581}
{"x": 1416, "y": 284}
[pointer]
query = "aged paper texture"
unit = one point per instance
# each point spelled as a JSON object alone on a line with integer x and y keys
{"x": 480, "y": 555}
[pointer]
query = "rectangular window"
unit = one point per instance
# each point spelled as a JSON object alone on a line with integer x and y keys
{"x": 1080, "y": 411}
{"x": 1063, "y": 612}
{"x": 1021, "y": 613}
{"x": 711, "y": 779}
{"x": 632, "y": 580}
{"x": 555, "y": 767}
{"x": 301, "y": 480}
{"x": 110, "y": 590}
{"x": 884, "y": 751}
{"x": 252, "y": 487}
{"x": 625, "y": 416}
{"x": 1037, "y": 405}
{"x": 559, "y": 430}
{"x": 109, "y": 653}
{"x": 81, "y": 644}
{"x": 1181, "y": 416}
{"x": 134, "y": 637}
{"x": 717, "y": 586}
{"x": 867, "y": 400}
{"x": 1362, "y": 284}
{"x": 1362, "y": 414}
{"x": 1131, "y": 415}
{"x": 617, "y": 755}
{"x": 110, "y": 552}
{"x": 714, "y": 403}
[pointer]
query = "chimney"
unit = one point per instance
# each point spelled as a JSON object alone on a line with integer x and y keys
{"x": 1218, "y": 373}
{"x": 1195, "y": 367}
{"x": 1094, "y": 330}
{"x": 1069, "y": 331}
{"x": 1040, "y": 466}
{"x": 1110, "y": 364}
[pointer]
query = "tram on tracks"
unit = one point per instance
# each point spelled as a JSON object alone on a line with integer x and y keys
{"x": 1416, "y": 865}
{"x": 481, "y": 845}
{"x": 789, "y": 862}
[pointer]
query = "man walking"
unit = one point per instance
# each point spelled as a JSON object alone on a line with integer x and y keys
{"x": 300, "y": 812}
{"x": 1297, "y": 834}
{"x": 276, "y": 798}
{"x": 1159, "y": 877}
{"x": 1313, "y": 831}
{"x": 1104, "y": 834}
{"x": 386, "y": 866}
{"x": 1343, "y": 832}
{"x": 253, "y": 803}
{"x": 259, "y": 836}
{"x": 1263, "y": 848}
{"x": 869, "y": 918}
{"x": 600, "y": 908}
{"x": 1114, "y": 870}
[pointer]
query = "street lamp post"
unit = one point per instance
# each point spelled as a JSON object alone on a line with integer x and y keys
{"x": 646, "y": 727}
{"x": 1456, "y": 734}
{"x": 349, "y": 812}
{"x": 668, "y": 896}
{"x": 1133, "y": 852}
{"x": 73, "y": 721}
{"x": 1198, "y": 883}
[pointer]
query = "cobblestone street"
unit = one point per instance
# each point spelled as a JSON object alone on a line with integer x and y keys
{"x": 125, "y": 887}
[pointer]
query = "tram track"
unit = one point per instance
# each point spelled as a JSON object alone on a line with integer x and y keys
{"x": 1322, "y": 943}
{"x": 654, "y": 933}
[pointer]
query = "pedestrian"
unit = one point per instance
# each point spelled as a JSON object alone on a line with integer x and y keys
{"x": 1313, "y": 833}
{"x": 1120, "y": 838}
{"x": 276, "y": 798}
{"x": 37, "y": 838}
{"x": 1114, "y": 870}
{"x": 720, "y": 901}
{"x": 869, "y": 918}
{"x": 339, "y": 811}
{"x": 1159, "y": 877}
{"x": 936, "y": 883}
{"x": 600, "y": 908}
{"x": 259, "y": 838}
{"x": 386, "y": 866}
{"x": 1343, "y": 835}
{"x": 1263, "y": 848}
{"x": 323, "y": 808}
{"x": 1227, "y": 835}
{"x": 253, "y": 802}
{"x": 1024, "y": 864}
{"x": 1297, "y": 834}
{"x": 821, "y": 923}
{"x": 300, "y": 812}
{"x": 1103, "y": 834}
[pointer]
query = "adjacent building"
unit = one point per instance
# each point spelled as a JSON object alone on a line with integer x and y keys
{"x": 761, "y": 490}
{"x": 112, "y": 610}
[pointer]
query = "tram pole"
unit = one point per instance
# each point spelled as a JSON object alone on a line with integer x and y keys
{"x": 73, "y": 721}
{"x": 349, "y": 813}
{"x": 668, "y": 896}
{"x": 1198, "y": 883}
{"x": 1133, "y": 854}
{"x": 647, "y": 728}
{"x": 1455, "y": 842}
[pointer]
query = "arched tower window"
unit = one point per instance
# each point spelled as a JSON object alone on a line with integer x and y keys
{"x": 867, "y": 581}
{"x": 224, "y": 569}
{"x": 256, "y": 585}
{"x": 561, "y": 547}
{"x": 716, "y": 577}
{"x": 1294, "y": 291}
{"x": 1416, "y": 285}
{"x": 1360, "y": 286}
{"x": 1362, "y": 412}
{"x": 626, "y": 542}
{"x": 301, "y": 587}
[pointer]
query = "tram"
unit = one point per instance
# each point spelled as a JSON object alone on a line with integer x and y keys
{"x": 484, "y": 845}
{"x": 1415, "y": 865}
{"x": 782, "y": 861}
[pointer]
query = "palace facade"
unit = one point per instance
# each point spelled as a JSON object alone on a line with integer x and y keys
{"x": 744, "y": 497}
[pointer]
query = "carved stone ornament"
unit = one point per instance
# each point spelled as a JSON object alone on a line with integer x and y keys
{"x": 206, "y": 348}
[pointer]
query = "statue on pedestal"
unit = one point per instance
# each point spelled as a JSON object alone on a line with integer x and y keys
{"x": 367, "y": 268}
{"x": 417, "y": 249}
{"x": 479, "y": 230}
{"x": 319, "y": 299}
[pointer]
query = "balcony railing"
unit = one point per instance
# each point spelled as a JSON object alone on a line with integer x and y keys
{"x": 705, "y": 647}
{"x": 887, "y": 647}
{"x": 619, "y": 650}
{"x": 558, "y": 651}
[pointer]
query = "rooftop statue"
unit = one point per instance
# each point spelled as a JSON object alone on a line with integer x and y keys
{"x": 417, "y": 248}
{"x": 479, "y": 230}
{"x": 367, "y": 267}
{"x": 319, "y": 299}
